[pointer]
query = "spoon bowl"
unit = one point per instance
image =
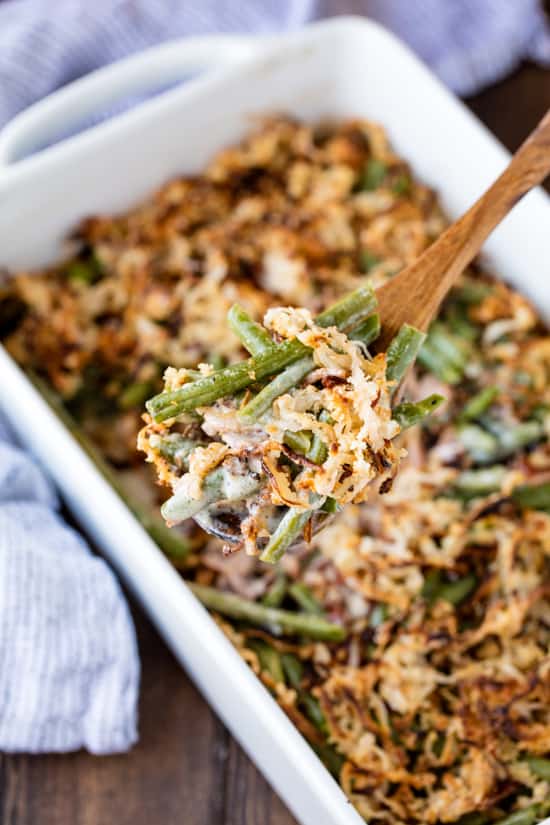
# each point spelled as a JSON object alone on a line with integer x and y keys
{"x": 223, "y": 521}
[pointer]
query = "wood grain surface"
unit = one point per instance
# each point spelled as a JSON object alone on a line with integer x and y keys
{"x": 186, "y": 769}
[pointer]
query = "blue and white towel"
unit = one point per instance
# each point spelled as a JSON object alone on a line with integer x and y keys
{"x": 69, "y": 669}
{"x": 45, "y": 44}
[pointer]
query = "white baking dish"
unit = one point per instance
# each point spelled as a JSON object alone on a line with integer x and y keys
{"x": 339, "y": 68}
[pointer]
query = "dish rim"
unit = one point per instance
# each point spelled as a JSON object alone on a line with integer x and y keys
{"x": 174, "y": 605}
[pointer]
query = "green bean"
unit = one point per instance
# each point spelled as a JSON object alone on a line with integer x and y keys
{"x": 457, "y": 591}
{"x": 460, "y": 324}
{"x": 438, "y": 745}
{"x": 472, "y": 483}
{"x": 432, "y": 582}
{"x": 277, "y": 592}
{"x": 318, "y": 451}
{"x": 79, "y": 272}
{"x": 300, "y": 441}
{"x": 523, "y": 378}
{"x": 454, "y": 592}
{"x": 374, "y": 173}
{"x": 512, "y": 439}
{"x": 313, "y": 710}
{"x": 175, "y": 447}
{"x": 224, "y": 382}
{"x": 168, "y": 540}
{"x": 368, "y": 331}
{"x": 479, "y": 444}
{"x": 304, "y": 598}
{"x": 289, "y": 528}
{"x": 84, "y": 272}
{"x": 539, "y": 766}
{"x": 402, "y": 352}
{"x": 214, "y": 488}
{"x": 533, "y": 496}
{"x": 350, "y": 311}
{"x": 368, "y": 260}
{"x": 282, "y": 383}
{"x": 135, "y": 395}
{"x": 330, "y": 757}
{"x": 444, "y": 354}
{"x": 276, "y": 621}
{"x": 378, "y": 614}
{"x": 408, "y": 414}
{"x": 216, "y": 360}
{"x": 347, "y": 314}
{"x": 269, "y": 658}
{"x": 479, "y": 404}
{"x": 540, "y": 413}
{"x": 475, "y": 818}
{"x": 454, "y": 349}
{"x": 501, "y": 441}
{"x": 293, "y": 669}
{"x": 252, "y": 335}
{"x": 436, "y": 363}
{"x": 472, "y": 292}
{"x": 402, "y": 185}
{"x": 180, "y": 506}
{"x": 525, "y": 816}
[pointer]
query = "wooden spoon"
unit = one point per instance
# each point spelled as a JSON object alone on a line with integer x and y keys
{"x": 414, "y": 295}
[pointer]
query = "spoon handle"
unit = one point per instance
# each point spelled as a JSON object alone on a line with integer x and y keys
{"x": 414, "y": 295}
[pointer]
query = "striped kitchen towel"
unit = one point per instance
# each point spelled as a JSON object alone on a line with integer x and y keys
{"x": 69, "y": 667}
{"x": 43, "y": 45}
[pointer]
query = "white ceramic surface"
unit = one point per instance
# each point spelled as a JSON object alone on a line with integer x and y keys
{"x": 339, "y": 68}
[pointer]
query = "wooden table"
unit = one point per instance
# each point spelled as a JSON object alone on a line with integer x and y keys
{"x": 187, "y": 769}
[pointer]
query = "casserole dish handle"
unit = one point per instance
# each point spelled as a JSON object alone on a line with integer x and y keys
{"x": 74, "y": 106}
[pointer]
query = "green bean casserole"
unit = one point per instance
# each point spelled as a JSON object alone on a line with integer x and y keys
{"x": 409, "y": 641}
